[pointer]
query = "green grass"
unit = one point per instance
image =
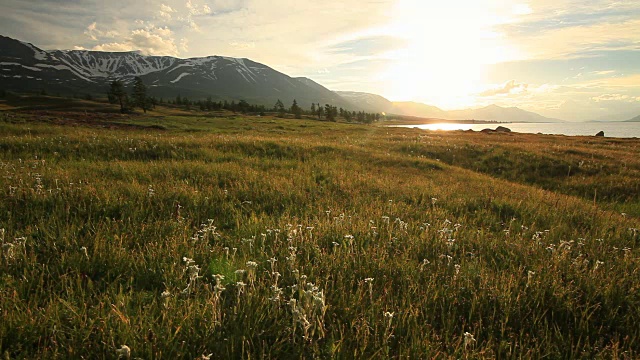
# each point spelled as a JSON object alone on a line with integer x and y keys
{"x": 113, "y": 235}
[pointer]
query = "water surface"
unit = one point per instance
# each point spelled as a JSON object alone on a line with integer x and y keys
{"x": 611, "y": 129}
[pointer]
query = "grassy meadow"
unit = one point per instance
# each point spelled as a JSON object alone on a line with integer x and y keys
{"x": 183, "y": 236}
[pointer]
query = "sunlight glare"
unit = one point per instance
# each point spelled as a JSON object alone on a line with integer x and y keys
{"x": 449, "y": 45}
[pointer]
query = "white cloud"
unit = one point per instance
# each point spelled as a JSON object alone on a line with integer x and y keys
{"x": 508, "y": 88}
{"x": 544, "y": 88}
{"x": 603, "y": 72}
{"x": 570, "y": 28}
{"x": 114, "y": 47}
{"x": 615, "y": 97}
{"x": 239, "y": 45}
{"x": 149, "y": 41}
{"x": 95, "y": 34}
{"x": 165, "y": 12}
{"x": 184, "y": 45}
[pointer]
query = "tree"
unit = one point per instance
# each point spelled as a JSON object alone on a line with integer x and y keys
{"x": 313, "y": 108}
{"x": 296, "y": 110}
{"x": 139, "y": 94}
{"x": 331, "y": 112}
{"x": 279, "y": 107}
{"x": 117, "y": 95}
{"x": 244, "y": 106}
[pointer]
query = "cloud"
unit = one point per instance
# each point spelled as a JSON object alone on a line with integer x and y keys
{"x": 93, "y": 33}
{"x": 149, "y": 41}
{"x": 615, "y": 97}
{"x": 572, "y": 28}
{"x": 603, "y": 72}
{"x": 240, "y": 45}
{"x": 368, "y": 46}
{"x": 114, "y": 47}
{"x": 544, "y": 88}
{"x": 184, "y": 45}
{"x": 510, "y": 87}
{"x": 194, "y": 10}
{"x": 165, "y": 12}
{"x": 623, "y": 82}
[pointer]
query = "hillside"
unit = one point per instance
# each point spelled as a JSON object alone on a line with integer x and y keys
{"x": 27, "y": 68}
{"x": 409, "y": 108}
{"x": 419, "y": 109}
{"x": 498, "y": 113}
{"x": 363, "y": 100}
{"x": 635, "y": 119}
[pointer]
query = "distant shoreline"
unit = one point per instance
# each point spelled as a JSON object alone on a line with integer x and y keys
{"x": 409, "y": 120}
{"x": 611, "y": 130}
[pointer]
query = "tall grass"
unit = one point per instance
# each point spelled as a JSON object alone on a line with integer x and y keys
{"x": 303, "y": 239}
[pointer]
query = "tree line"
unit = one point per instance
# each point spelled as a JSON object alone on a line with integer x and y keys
{"x": 140, "y": 99}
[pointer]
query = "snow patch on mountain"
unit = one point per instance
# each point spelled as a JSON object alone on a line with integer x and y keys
{"x": 57, "y": 67}
{"x": 107, "y": 64}
{"x": 179, "y": 77}
{"x": 37, "y": 53}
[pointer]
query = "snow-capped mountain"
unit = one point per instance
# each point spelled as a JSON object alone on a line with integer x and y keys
{"x": 24, "y": 67}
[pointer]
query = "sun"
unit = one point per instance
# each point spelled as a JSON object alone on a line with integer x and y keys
{"x": 449, "y": 46}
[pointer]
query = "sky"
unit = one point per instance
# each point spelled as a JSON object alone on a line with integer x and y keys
{"x": 568, "y": 59}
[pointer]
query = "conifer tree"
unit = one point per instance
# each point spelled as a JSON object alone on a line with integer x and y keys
{"x": 296, "y": 110}
{"x": 117, "y": 95}
{"x": 139, "y": 94}
{"x": 279, "y": 107}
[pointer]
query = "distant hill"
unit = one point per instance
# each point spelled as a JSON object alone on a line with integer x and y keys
{"x": 26, "y": 68}
{"x": 370, "y": 102}
{"x": 635, "y": 119}
{"x": 419, "y": 109}
{"x": 498, "y": 113}
{"x": 408, "y": 108}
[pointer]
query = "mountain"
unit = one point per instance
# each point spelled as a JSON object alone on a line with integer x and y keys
{"x": 635, "y": 119}
{"x": 419, "y": 109}
{"x": 378, "y": 103}
{"x": 26, "y": 68}
{"x": 369, "y": 102}
{"x": 501, "y": 114}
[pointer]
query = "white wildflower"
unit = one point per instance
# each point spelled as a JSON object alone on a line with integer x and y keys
{"x": 123, "y": 352}
{"x": 188, "y": 261}
{"x": 468, "y": 339}
{"x": 84, "y": 251}
{"x": 530, "y": 275}
{"x": 598, "y": 264}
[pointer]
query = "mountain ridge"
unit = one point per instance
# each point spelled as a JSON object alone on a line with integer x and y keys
{"x": 409, "y": 108}
{"x": 25, "y": 67}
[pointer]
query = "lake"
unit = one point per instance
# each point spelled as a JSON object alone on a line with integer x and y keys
{"x": 611, "y": 129}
